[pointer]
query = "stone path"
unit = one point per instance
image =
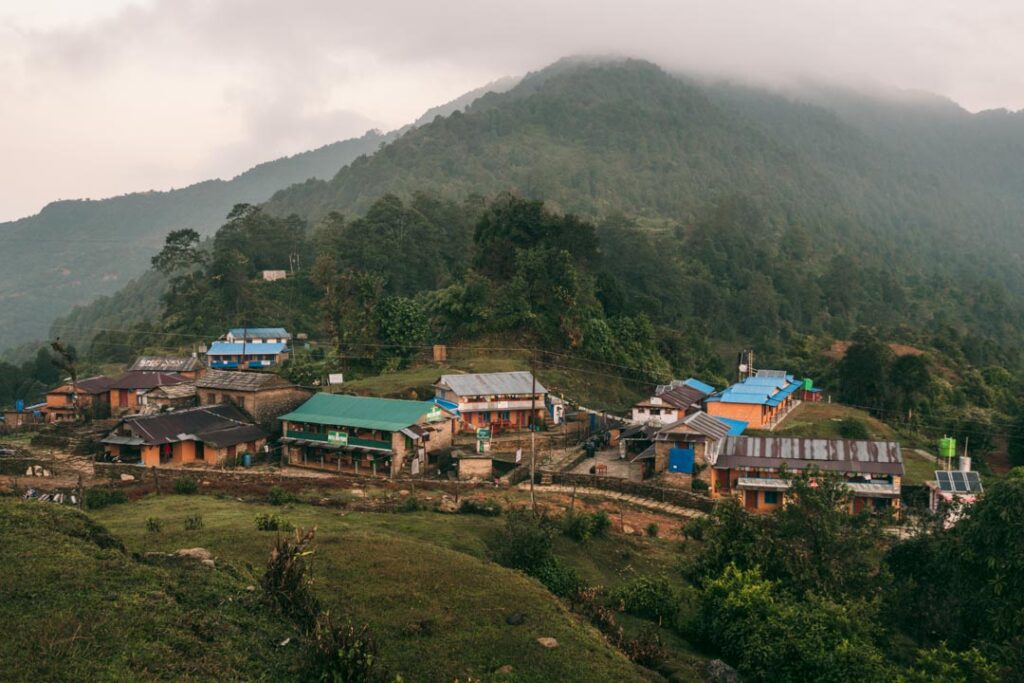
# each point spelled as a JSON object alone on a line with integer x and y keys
{"x": 665, "y": 508}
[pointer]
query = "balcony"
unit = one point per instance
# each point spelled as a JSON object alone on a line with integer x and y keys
{"x": 352, "y": 441}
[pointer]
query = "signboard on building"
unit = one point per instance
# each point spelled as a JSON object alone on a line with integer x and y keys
{"x": 337, "y": 438}
{"x": 334, "y": 377}
{"x": 435, "y": 414}
{"x": 483, "y": 434}
{"x": 519, "y": 455}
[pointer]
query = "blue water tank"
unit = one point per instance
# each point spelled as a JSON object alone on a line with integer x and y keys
{"x": 19, "y": 405}
{"x": 247, "y": 460}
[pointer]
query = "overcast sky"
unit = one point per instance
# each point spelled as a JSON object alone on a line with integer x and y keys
{"x": 103, "y": 97}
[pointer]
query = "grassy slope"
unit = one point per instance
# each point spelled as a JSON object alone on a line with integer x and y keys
{"x": 416, "y": 578}
{"x": 76, "y": 607}
{"x": 822, "y": 420}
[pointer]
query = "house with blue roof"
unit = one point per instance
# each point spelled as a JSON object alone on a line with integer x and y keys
{"x": 760, "y": 400}
{"x": 225, "y": 355}
{"x": 258, "y": 335}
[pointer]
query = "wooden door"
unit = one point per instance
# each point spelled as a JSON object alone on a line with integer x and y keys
{"x": 750, "y": 500}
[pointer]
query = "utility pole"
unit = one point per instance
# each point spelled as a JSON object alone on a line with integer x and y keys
{"x": 533, "y": 436}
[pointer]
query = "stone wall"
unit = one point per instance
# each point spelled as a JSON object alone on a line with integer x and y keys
{"x": 659, "y": 493}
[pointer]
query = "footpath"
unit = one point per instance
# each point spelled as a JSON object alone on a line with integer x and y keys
{"x": 665, "y": 508}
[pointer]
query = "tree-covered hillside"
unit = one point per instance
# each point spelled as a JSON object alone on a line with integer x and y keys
{"x": 74, "y": 251}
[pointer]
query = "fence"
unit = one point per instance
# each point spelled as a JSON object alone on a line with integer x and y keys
{"x": 659, "y": 493}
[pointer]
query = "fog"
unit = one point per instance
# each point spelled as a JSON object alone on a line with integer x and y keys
{"x": 111, "y": 96}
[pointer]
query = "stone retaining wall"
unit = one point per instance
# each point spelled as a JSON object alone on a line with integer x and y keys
{"x": 659, "y": 493}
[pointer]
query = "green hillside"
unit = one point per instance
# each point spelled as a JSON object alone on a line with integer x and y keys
{"x": 73, "y": 251}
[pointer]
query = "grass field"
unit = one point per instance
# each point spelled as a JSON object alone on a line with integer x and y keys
{"x": 823, "y": 420}
{"x": 422, "y": 582}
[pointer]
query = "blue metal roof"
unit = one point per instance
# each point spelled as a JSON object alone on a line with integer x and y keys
{"x": 699, "y": 386}
{"x": 261, "y": 332}
{"x": 766, "y": 391}
{"x": 219, "y": 348}
{"x": 736, "y": 427}
{"x": 451, "y": 406}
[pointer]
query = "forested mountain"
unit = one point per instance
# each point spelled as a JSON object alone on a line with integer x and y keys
{"x": 73, "y": 251}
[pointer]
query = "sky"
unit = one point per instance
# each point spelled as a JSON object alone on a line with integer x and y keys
{"x": 104, "y": 97}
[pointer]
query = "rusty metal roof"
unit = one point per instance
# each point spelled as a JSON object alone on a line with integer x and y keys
{"x": 698, "y": 423}
{"x": 835, "y": 455}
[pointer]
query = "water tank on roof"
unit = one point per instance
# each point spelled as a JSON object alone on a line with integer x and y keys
{"x": 808, "y": 384}
{"x": 947, "y": 447}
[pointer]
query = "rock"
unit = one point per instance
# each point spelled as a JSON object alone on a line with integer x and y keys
{"x": 208, "y": 563}
{"x": 251, "y": 588}
{"x": 507, "y": 669}
{"x": 515, "y": 619}
{"x": 358, "y": 493}
{"x": 628, "y": 530}
{"x": 548, "y": 642}
{"x": 720, "y": 672}
{"x": 127, "y": 477}
{"x": 285, "y": 642}
{"x": 46, "y": 473}
{"x": 204, "y": 483}
{"x": 447, "y": 504}
{"x": 200, "y": 554}
{"x": 403, "y": 492}
{"x": 28, "y": 472}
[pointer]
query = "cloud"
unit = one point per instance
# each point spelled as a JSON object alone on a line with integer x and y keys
{"x": 165, "y": 92}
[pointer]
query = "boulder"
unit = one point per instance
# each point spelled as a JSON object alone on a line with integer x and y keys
{"x": 447, "y": 504}
{"x": 507, "y": 669}
{"x": 720, "y": 672}
{"x": 127, "y": 477}
{"x": 200, "y": 554}
{"x": 403, "y": 493}
{"x": 208, "y": 563}
{"x": 548, "y": 642}
{"x": 628, "y": 530}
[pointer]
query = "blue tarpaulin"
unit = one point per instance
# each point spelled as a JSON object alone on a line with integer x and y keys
{"x": 680, "y": 460}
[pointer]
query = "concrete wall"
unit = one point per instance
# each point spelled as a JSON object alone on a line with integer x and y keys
{"x": 475, "y": 468}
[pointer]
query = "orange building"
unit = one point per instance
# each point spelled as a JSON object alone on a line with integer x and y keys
{"x": 752, "y": 469}
{"x": 495, "y": 400}
{"x": 89, "y": 394}
{"x": 210, "y": 434}
{"x": 126, "y": 391}
{"x": 760, "y": 401}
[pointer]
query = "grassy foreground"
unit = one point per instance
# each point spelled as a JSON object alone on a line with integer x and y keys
{"x": 419, "y": 579}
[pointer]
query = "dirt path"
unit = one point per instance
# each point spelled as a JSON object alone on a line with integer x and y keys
{"x": 665, "y": 508}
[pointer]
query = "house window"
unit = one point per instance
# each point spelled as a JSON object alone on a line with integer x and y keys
{"x": 880, "y": 503}
{"x": 771, "y": 497}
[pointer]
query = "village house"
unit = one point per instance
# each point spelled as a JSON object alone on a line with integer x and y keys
{"x": 189, "y": 367}
{"x": 761, "y": 400}
{"x": 497, "y": 401}
{"x": 169, "y": 397}
{"x": 21, "y": 415}
{"x": 92, "y": 396}
{"x": 682, "y": 450}
{"x": 208, "y": 434}
{"x": 126, "y": 391}
{"x": 258, "y": 335}
{"x": 263, "y": 395}
{"x": 751, "y": 468}
{"x": 379, "y": 435}
{"x": 224, "y": 355}
{"x": 672, "y": 401}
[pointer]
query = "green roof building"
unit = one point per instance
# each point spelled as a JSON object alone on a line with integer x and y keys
{"x": 346, "y": 433}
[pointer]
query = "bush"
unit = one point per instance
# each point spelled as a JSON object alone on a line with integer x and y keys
{"x": 582, "y": 526}
{"x": 487, "y": 508}
{"x": 411, "y": 504}
{"x": 265, "y": 522}
{"x": 342, "y": 652}
{"x": 153, "y": 525}
{"x": 561, "y": 580}
{"x": 186, "y": 486}
{"x": 852, "y": 428}
{"x": 194, "y": 522}
{"x": 699, "y": 485}
{"x": 286, "y": 582}
{"x": 646, "y": 649}
{"x": 697, "y": 527}
{"x": 525, "y": 542}
{"x": 95, "y": 499}
{"x": 278, "y": 496}
{"x": 652, "y": 530}
{"x": 649, "y": 597}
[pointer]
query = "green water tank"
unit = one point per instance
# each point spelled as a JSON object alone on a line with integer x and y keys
{"x": 808, "y": 384}
{"x": 947, "y": 447}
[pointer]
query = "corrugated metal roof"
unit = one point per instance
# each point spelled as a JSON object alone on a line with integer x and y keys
{"x": 492, "y": 384}
{"x": 364, "y": 412}
{"x": 233, "y": 380}
{"x": 165, "y": 364}
{"x": 771, "y": 373}
{"x": 147, "y": 380}
{"x": 174, "y": 390}
{"x": 736, "y": 427}
{"x": 220, "y": 348}
{"x": 260, "y": 332}
{"x": 837, "y": 455}
{"x": 700, "y": 423}
{"x": 89, "y": 385}
{"x": 767, "y": 391}
{"x": 219, "y": 423}
{"x": 763, "y": 484}
{"x": 699, "y": 386}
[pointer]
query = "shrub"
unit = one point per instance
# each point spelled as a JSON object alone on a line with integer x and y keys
{"x": 699, "y": 485}
{"x": 265, "y": 522}
{"x": 194, "y": 522}
{"x": 411, "y": 504}
{"x": 525, "y": 542}
{"x": 286, "y": 581}
{"x": 646, "y": 649}
{"x": 697, "y": 527}
{"x": 582, "y": 526}
{"x": 649, "y": 597}
{"x": 186, "y": 486}
{"x": 278, "y": 496}
{"x": 561, "y": 580}
{"x": 652, "y": 530}
{"x": 342, "y": 652}
{"x": 852, "y": 428}
{"x": 95, "y": 499}
{"x": 153, "y": 525}
{"x": 487, "y": 508}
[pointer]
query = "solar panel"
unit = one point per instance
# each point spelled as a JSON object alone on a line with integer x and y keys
{"x": 958, "y": 482}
